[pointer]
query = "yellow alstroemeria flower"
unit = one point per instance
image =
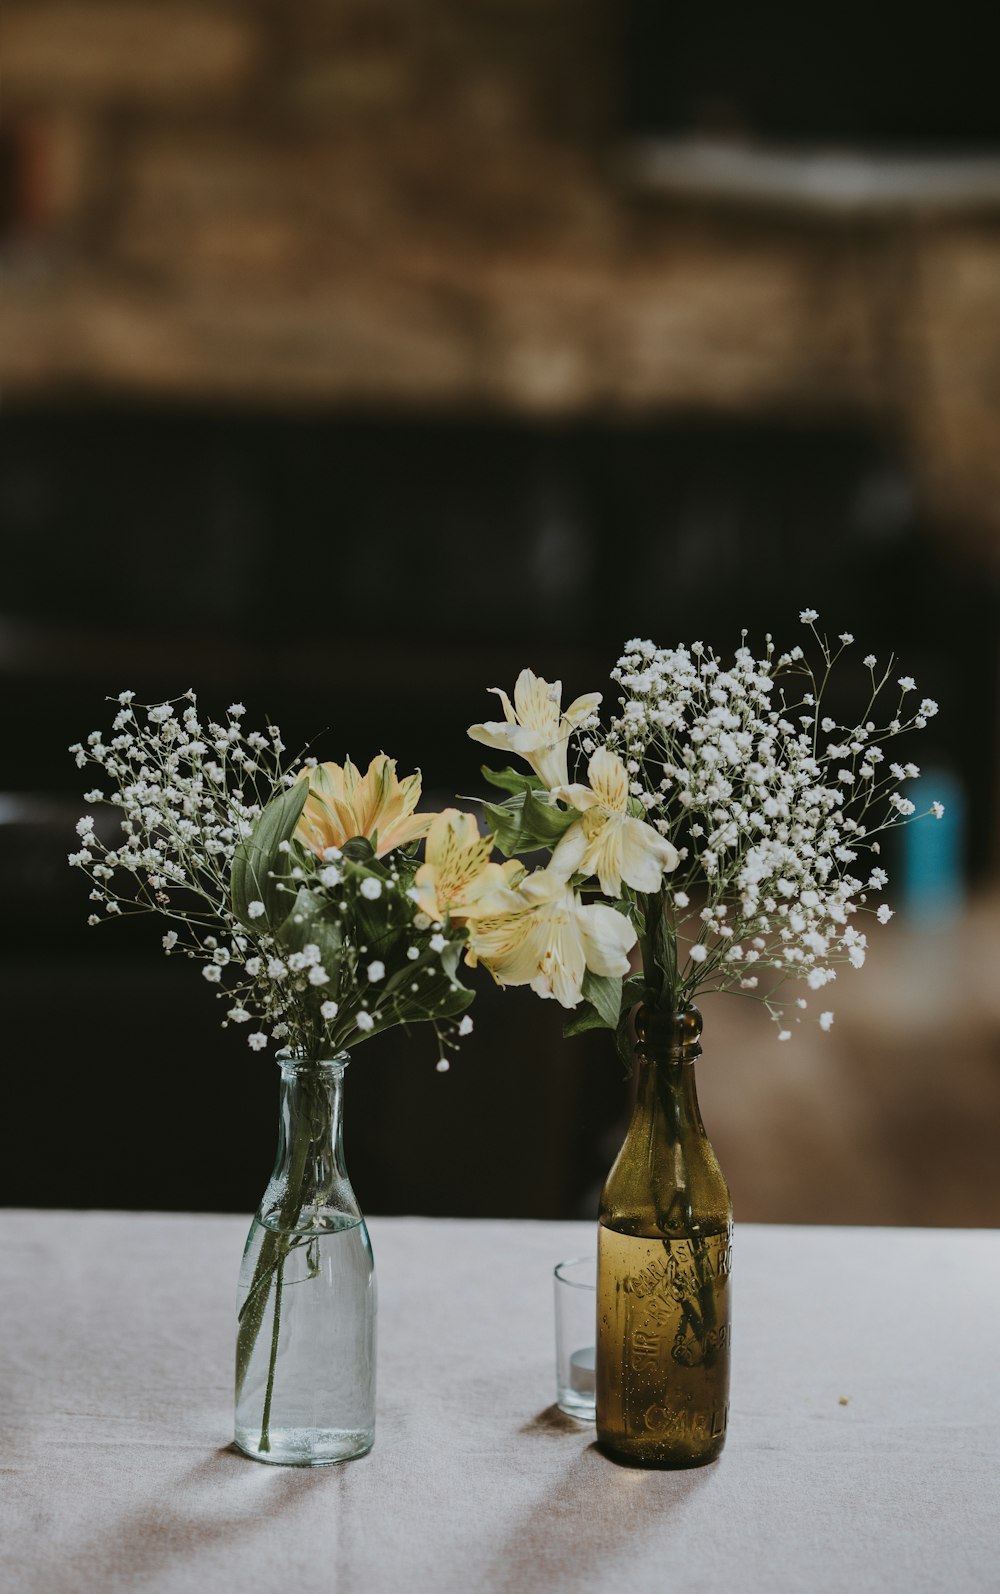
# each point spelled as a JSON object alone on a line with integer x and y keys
{"x": 343, "y": 803}
{"x": 457, "y": 879}
{"x": 535, "y": 728}
{"x": 606, "y": 840}
{"x": 547, "y": 938}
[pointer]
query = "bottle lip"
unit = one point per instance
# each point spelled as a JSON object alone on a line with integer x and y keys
{"x": 677, "y": 1034}
{"x": 295, "y": 1063}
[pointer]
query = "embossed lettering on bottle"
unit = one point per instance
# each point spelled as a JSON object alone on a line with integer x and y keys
{"x": 666, "y": 1303}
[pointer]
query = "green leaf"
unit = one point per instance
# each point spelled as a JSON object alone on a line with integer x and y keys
{"x": 527, "y": 822}
{"x": 259, "y": 870}
{"x": 604, "y": 993}
{"x": 601, "y": 1006}
{"x": 584, "y": 1017}
{"x": 634, "y": 990}
{"x": 309, "y": 919}
{"x": 623, "y": 1044}
{"x": 360, "y": 850}
{"x": 510, "y": 779}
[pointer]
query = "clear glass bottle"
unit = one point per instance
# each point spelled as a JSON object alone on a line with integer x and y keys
{"x": 305, "y": 1343}
{"x": 663, "y": 1264}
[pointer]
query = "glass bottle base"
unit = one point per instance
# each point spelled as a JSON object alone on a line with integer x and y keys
{"x": 307, "y": 1447}
{"x": 664, "y": 1457}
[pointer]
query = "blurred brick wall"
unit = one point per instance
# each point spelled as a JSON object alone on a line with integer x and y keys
{"x": 373, "y": 201}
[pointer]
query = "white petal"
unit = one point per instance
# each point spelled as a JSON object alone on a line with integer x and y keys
{"x": 609, "y": 779}
{"x": 607, "y": 938}
{"x": 508, "y": 710}
{"x": 536, "y": 702}
{"x": 565, "y": 861}
{"x": 508, "y": 738}
{"x": 604, "y": 857}
{"x": 576, "y": 796}
{"x": 550, "y": 765}
{"x": 645, "y": 855}
{"x": 582, "y": 706}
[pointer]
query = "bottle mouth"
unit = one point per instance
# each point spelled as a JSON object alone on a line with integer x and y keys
{"x": 295, "y": 1063}
{"x": 658, "y": 1030}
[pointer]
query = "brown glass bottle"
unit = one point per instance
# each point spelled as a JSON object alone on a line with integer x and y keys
{"x": 664, "y": 1255}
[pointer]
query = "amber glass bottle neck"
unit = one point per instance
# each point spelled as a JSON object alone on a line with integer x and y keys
{"x": 663, "y": 1037}
{"x": 667, "y": 1045}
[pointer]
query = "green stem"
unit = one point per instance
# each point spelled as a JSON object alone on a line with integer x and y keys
{"x": 265, "y": 1422}
{"x": 272, "y": 1254}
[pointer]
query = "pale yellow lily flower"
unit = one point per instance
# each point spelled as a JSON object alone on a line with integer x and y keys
{"x": 457, "y": 879}
{"x": 547, "y": 938}
{"x": 606, "y": 840}
{"x": 534, "y": 727}
{"x": 343, "y": 803}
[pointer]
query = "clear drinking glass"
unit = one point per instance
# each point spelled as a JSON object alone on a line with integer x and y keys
{"x": 576, "y": 1324}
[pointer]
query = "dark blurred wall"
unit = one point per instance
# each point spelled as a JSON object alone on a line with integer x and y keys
{"x": 352, "y": 358}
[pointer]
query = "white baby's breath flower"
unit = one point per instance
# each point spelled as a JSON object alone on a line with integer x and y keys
{"x": 212, "y": 973}
{"x": 697, "y": 954}
{"x": 442, "y": 1065}
{"x": 883, "y": 913}
{"x": 256, "y": 910}
{"x": 807, "y": 616}
{"x": 825, "y": 1020}
{"x": 937, "y": 809}
{"x": 364, "y": 1021}
{"x": 376, "y": 971}
{"x": 465, "y": 1025}
{"x": 257, "y": 1041}
{"x": 318, "y": 975}
{"x": 170, "y": 940}
{"x": 371, "y": 888}
{"x": 329, "y": 1009}
{"x": 437, "y": 943}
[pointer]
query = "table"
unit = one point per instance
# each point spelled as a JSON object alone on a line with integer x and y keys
{"x": 118, "y": 1476}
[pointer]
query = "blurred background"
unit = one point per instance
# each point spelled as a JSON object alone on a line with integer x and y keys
{"x": 355, "y": 353}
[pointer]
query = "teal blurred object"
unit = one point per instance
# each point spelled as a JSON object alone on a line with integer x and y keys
{"x": 932, "y": 850}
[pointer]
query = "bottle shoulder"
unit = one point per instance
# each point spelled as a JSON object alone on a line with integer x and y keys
{"x": 675, "y": 1189}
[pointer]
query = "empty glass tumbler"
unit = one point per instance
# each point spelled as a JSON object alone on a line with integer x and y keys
{"x": 576, "y": 1309}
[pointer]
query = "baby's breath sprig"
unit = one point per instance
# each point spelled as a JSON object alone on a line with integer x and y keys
{"x": 775, "y": 807}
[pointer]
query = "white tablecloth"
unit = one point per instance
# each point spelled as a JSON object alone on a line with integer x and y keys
{"x": 117, "y": 1473}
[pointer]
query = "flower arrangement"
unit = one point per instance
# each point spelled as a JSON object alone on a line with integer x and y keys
{"x": 732, "y": 823}
{"x": 299, "y": 891}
